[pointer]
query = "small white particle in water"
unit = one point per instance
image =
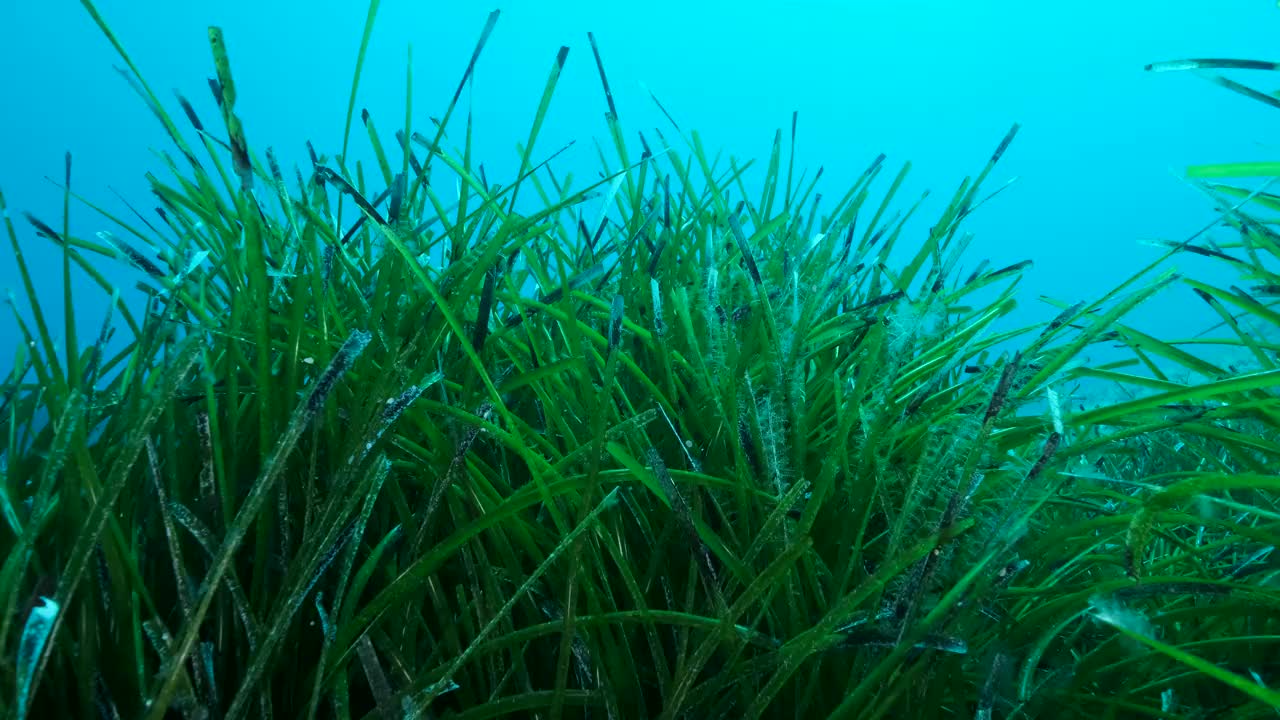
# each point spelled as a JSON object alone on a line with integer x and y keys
{"x": 309, "y": 360}
{"x": 368, "y": 446}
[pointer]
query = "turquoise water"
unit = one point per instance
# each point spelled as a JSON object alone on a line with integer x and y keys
{"x": 937, "y": 83}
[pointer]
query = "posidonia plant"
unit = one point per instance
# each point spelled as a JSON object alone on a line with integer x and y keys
{"x": 682, "y": 442}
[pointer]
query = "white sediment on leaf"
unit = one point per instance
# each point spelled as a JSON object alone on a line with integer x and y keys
{"x": 1055, "y": 410}
{"x": 1112, "y": 612}
{"x": 34, "y": 636}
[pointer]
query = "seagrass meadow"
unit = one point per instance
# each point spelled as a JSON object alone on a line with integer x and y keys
{"x": 689, "y": 439}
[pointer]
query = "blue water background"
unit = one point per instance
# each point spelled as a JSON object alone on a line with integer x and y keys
{"x": 1099, "y": 158}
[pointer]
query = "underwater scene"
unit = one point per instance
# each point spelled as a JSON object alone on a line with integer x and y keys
{"x": 778, "y": 359}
